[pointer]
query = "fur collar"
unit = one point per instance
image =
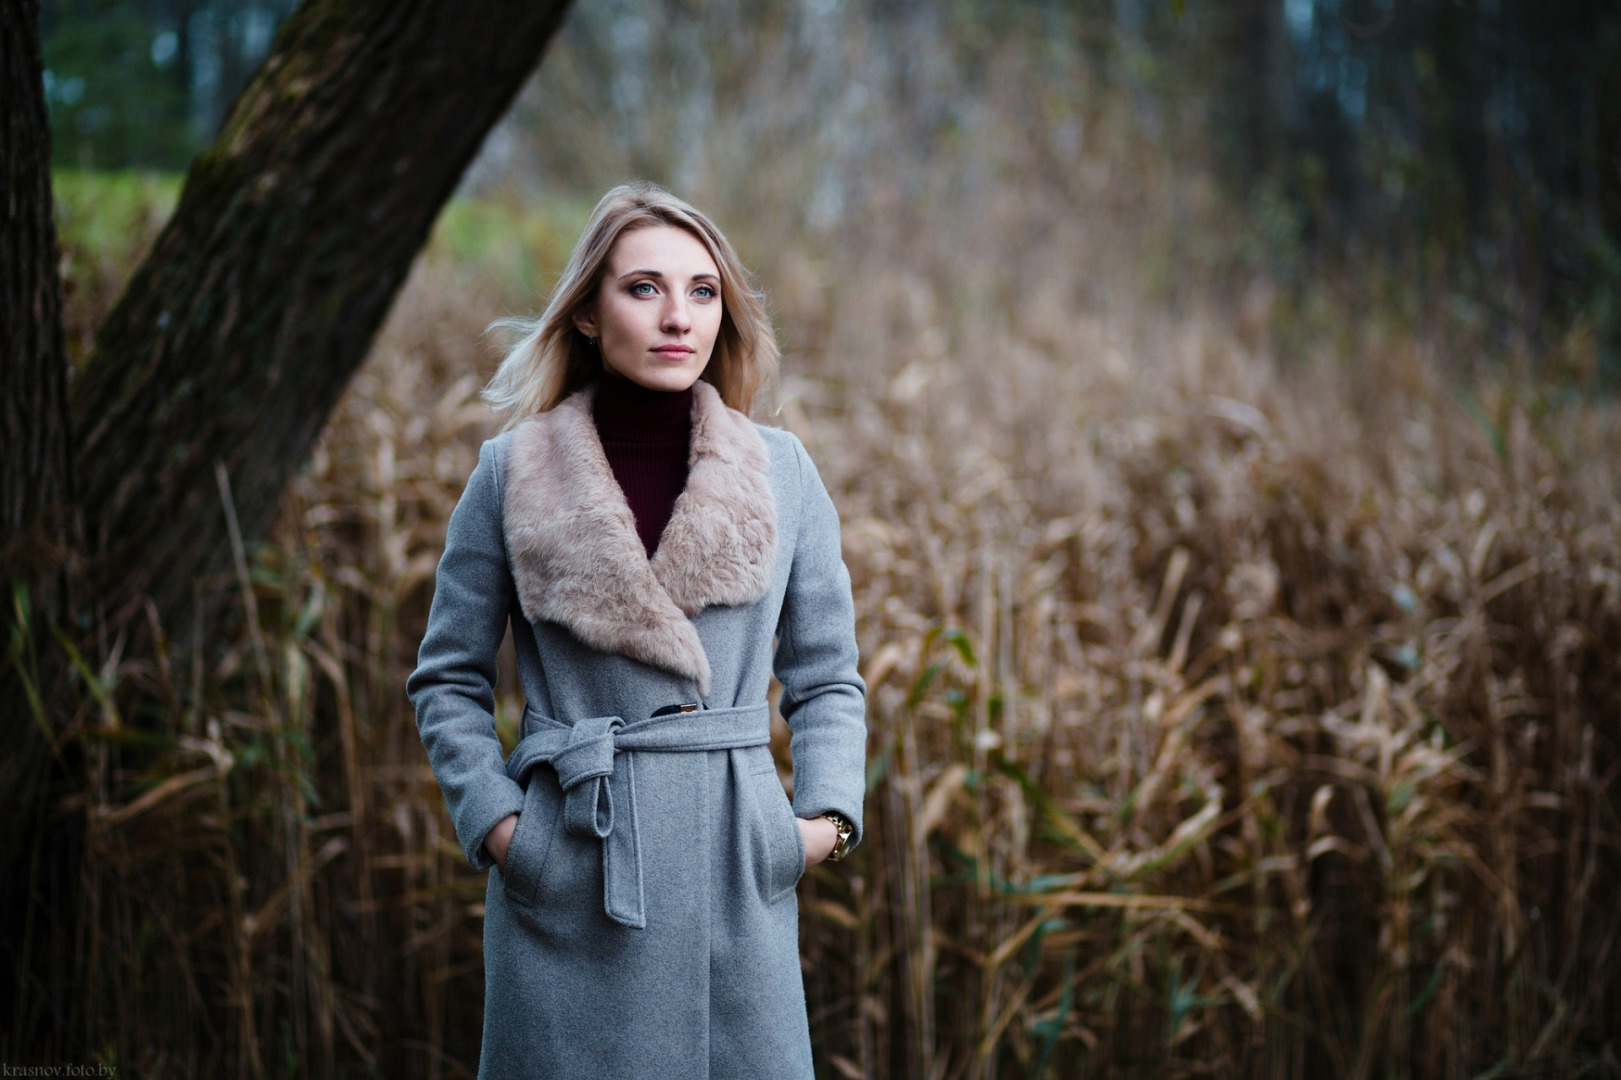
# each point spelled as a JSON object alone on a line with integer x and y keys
{"x": 572, "y": 538}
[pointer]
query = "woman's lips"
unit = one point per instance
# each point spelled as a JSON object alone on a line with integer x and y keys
{"x": 673, "y": 352}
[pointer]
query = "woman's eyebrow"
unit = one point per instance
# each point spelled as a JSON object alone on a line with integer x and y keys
{"x": 702, "y": 275}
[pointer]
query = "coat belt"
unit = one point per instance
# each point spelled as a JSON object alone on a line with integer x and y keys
{"x": 599, "y": 781}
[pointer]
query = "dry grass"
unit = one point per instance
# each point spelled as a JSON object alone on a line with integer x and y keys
{"x": 1236, "y": 709}
{"x": 1272, "y": 740}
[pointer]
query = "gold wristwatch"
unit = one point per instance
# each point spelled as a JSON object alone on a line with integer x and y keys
{"x": 846, "y": 832}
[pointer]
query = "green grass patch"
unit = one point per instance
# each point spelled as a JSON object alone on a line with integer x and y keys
{"x": 110, "y": 216}
{"x": 512, "y": 243}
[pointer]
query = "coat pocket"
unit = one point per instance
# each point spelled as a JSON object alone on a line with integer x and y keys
{"x": 531, "y": 840}
{"x": 780, "y": 855}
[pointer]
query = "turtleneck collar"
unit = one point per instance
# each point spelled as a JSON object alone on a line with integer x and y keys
{"x": 626, "y": 412}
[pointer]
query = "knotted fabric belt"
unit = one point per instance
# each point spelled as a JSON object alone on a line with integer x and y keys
{"x": 599, "y": 782}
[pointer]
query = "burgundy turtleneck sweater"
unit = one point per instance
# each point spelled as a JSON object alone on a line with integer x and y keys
{"x": 645, "y": 435}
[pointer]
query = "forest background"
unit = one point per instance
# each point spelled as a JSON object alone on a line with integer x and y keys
{"x": 1219, "y": 401}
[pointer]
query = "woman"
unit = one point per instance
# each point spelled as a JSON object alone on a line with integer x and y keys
{"x": 658, "y": 556}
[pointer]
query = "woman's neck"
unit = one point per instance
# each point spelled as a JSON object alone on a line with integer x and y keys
{"x": 626, "y": 412}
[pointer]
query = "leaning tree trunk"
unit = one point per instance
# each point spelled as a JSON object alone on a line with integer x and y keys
{"x": 35, "y": 523}
{"x": 238, "y": 333}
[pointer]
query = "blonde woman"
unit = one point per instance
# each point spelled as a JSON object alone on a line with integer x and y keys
{"x": 658, "y": 556}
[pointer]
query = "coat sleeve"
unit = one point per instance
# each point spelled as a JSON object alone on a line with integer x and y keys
{"x": 823, "y": 696}
{"x": 453, "y": 686}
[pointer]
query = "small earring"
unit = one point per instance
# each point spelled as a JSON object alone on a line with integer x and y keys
{"x": 591, "y": 341}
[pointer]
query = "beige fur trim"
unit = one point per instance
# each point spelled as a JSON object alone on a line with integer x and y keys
{"x": 720, "y": 546}
{"x": 578, "y": 562}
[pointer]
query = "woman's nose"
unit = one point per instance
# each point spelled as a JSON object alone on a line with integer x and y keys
{"x": 677, "y": 319}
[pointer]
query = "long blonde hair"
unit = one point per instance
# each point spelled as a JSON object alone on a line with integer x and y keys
{"x": 550, "y": 358}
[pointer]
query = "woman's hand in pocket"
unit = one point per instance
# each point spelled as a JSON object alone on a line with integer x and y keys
{"x": 498, "y": 839}
{"x": 820, "y": 836}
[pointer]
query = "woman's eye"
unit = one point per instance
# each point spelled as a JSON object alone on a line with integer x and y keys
{"x": 704, "y": 292}
{"x": 642, "y": 288}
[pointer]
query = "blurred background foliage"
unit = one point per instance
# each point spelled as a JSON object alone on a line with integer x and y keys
{"x": 1214, "y": 398}
{"x": 1462, "y": 157}
{"x": 146, "y": 84}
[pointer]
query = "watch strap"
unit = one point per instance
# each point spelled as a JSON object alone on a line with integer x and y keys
{"x": 846, "y": 833}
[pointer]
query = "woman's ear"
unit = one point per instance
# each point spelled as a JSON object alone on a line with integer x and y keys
{"x": 585, "y": 321}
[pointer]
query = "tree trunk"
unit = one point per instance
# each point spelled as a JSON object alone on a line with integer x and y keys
{"x": 238, "y": 333}
{"x": 35, "y": 478}
{"x": 36, "y": 486}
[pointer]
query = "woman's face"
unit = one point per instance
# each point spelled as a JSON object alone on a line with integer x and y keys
{"x": 658, "y": 309}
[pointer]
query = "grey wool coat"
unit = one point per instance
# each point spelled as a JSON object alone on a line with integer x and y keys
{"x": 645, "y": 925}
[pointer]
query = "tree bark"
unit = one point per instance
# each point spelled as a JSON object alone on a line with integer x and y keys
{"x": 236, "y": 336}
{"x": 35, "y": 475}
{"x": 36, "y": 484}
